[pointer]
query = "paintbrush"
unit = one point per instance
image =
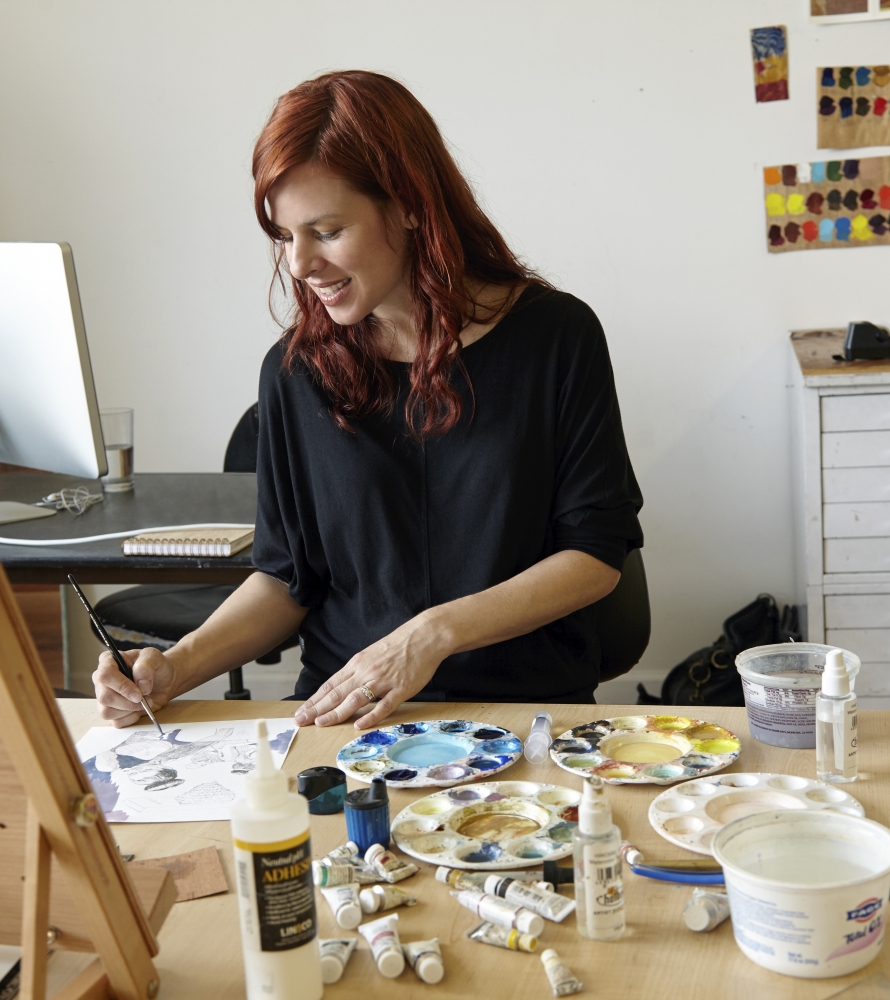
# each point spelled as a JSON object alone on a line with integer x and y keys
{"x": 115, "y": 652}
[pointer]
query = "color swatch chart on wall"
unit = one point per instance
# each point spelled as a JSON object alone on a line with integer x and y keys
{"x": 853, "y": 106}
{"x": 835, "y": 11}
{"x": 833, "y": 203}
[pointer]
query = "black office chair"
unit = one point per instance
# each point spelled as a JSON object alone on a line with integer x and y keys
{"x": 160, "y": 615}
{"x": 623, "y": 620}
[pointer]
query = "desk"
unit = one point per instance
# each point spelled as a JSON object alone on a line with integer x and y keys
{"x": 657, "y": 957}
{"x": 159, "y": 499}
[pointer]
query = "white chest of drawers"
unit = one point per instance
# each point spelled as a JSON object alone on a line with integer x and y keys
{"x": 843, "y": 448}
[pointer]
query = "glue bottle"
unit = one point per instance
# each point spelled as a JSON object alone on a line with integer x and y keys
{"x": 836, "y": 731}
{"x": 599, "y": 890}
{"x": 276, "y": 899}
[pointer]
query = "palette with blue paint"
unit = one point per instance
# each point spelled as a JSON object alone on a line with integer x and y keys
{"x": 646, "y": 749}
{"x": 440, "y": 752}
{"x": 493, "y": 825}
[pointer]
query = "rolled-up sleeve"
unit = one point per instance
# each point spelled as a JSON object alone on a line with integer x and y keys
{"x": 596, "y": 497}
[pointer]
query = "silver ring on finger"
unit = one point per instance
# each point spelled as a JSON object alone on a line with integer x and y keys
{"x": 368, "y": 693}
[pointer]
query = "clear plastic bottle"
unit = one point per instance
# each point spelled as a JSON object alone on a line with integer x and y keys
{"x": 836, "y": 724}
{"x": 599, "y": 890}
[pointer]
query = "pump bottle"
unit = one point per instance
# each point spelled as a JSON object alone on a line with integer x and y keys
{"x": 276, "y": 898}
{"x": 599, "y": 891}
{"x": 836, "y": 731}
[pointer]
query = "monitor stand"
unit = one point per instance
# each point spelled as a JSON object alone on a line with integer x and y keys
{"x": 12, "y": 510}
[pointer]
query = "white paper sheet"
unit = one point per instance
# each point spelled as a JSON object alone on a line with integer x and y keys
{"x": 194, "y": 774}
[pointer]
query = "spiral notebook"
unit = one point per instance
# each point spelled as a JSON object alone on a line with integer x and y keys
{"x": 218, "y": 542}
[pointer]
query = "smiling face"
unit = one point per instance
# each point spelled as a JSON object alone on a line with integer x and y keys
{"x": 344, "y": 246}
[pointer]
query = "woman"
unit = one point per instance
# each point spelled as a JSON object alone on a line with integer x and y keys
{"x": 444, "y": 488}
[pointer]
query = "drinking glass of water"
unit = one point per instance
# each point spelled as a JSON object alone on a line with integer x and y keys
{"x": 117, "y": 429}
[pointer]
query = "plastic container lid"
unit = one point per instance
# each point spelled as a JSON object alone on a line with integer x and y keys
{"x": 698, "y": 914}
{"x": 391, "y": 963}
{"x": 526, "y": 942}
{"x": 368, "y": 798}
{"x": 529, "y": 923}
{"x": 442, "y": 874}
{"x": 349, "y": 916}
{"x": 549, "y": 954}
{"x": 331, "y": 969}
{"x": 430, "y": 968}
{"x": 369, "y": 900}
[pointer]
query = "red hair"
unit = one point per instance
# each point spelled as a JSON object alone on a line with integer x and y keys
{"x": 371, "y": 131}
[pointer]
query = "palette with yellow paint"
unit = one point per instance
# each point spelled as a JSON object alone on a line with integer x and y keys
{"x": 491, "y": 825}
{"x": 646, "y": 749}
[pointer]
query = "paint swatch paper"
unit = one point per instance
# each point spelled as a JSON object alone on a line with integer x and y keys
{"x": 853, "y": 106}
{"x": 193, "y": 774}
{"x": 841, "y": 11}
{"x": 769, "y": 48}
{"x": 832, "y": 203}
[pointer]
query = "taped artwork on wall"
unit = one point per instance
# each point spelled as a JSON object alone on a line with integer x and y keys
{"x": 832, "y": 203}
{"x": 852, "y": 106}
{"x": 769, "y": 48}
{"x": 840, "y": 11}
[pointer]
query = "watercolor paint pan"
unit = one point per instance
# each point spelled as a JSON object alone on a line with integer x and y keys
{"x": 646, "y": 749}
{"x": 490, "y": 826}
{"x": 436, "y": 753}
{"x": 691, "y": 814}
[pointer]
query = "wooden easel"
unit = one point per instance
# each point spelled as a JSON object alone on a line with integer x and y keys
{"x": 63, "y": 823}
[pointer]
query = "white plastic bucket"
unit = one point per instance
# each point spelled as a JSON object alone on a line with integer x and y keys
{"x": 780, "y": 684}
{"x": 808, "y": 891}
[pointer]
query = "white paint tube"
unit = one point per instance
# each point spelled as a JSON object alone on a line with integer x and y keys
{"x": 335, "y": 954}
{"x": 457, "y": 878}
{"x": 562, "y": 980}
{"x": 384, "y": 897}
{"x": 323, "y": 874}
{"x": 548, "y": 904}
{"x": 706, "y": 910}
{"x": 499, "y": 911}
{"x": 502, "y": 937}
{"x": 383, "y": 937}
{"x": 393, "y": 869}
{"x": 425, "y": 958}
{"x": 348, "y": 851}
{"x": 343, "y": 901}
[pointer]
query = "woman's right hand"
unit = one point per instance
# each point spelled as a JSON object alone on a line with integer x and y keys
{"x": 119, "y": 698}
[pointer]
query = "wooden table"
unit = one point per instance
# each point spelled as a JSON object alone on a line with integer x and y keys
{"x": 657, "y": 957}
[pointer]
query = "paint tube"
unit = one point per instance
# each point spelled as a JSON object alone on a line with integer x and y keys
{"x": 499, "y": 911}
{"x": 383, "y": 937}
{"x": 393, "y": 869}
{"x": 343, "y": 901}
{"x": 425, "y": 958}
{"x": 459, "y": 879}
{"x": 502, "y": 937}
{"x": 384, "y": 897}
{"x": 562, "y": 979}
{"x": 347, "y": 851}
{"x": 706, "y": 910}
{"x": 548, "y": 904}
{"x": 323, "y": 874}
{"x": 335, "y": 954}
{"x": 362, "y": 871}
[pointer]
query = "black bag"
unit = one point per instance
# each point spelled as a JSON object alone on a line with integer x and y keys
{"x": 709, "y": 676}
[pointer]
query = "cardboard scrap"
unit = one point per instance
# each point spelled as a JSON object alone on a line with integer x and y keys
{"x": 197, "y": 873}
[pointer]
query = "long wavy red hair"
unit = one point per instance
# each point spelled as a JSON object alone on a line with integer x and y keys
{"x": 371, "y": 131}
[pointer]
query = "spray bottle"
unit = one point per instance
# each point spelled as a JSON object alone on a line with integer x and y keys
{"x": 270, "y": 830}
{"x": 599, "y": 891}
{"x": 836, "y": 732}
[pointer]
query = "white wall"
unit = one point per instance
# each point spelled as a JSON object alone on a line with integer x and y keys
{"x": 616, "y": 142}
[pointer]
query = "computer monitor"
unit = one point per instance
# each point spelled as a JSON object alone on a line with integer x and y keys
{"x": 49, "y": 417}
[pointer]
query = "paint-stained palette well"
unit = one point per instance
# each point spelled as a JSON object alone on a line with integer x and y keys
{"x": 492, "y": 825}
{"x": 441, "y": 752}
{"x": 646, "y": 749}
{"x": 691, "y": 814}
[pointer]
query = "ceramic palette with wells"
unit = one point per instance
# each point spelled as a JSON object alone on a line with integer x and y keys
{"x": 442, "y": 752}
{"x": 691, "y": 814}
{"x": 646, "y": 749}
{"x": 492, "y": 825}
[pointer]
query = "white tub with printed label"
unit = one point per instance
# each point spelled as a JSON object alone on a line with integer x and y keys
{"x": 780, "y": 684}
{"x": 808, "y": 891}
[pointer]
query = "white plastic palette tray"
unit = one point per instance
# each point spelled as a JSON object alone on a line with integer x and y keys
{"x": 689, "y": 815}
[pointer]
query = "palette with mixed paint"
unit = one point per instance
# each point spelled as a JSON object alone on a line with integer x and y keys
{"x": 646, "y": 749}
{"x": 441, "y": 752}
{"x": 691, "y": 814}
{"x": 492, "y": 825}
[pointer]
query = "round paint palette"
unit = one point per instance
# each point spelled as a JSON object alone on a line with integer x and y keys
{"x": 691, "y": 814}
{"x": 492, "y": 825}
{"x": 646, "y": 749}
{"x": 442, "y": 752}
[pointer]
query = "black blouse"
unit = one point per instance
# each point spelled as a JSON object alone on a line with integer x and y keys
{"x": 371, "y": 528}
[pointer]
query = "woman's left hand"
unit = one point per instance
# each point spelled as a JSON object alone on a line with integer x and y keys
{"x": 392, "y": 670}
